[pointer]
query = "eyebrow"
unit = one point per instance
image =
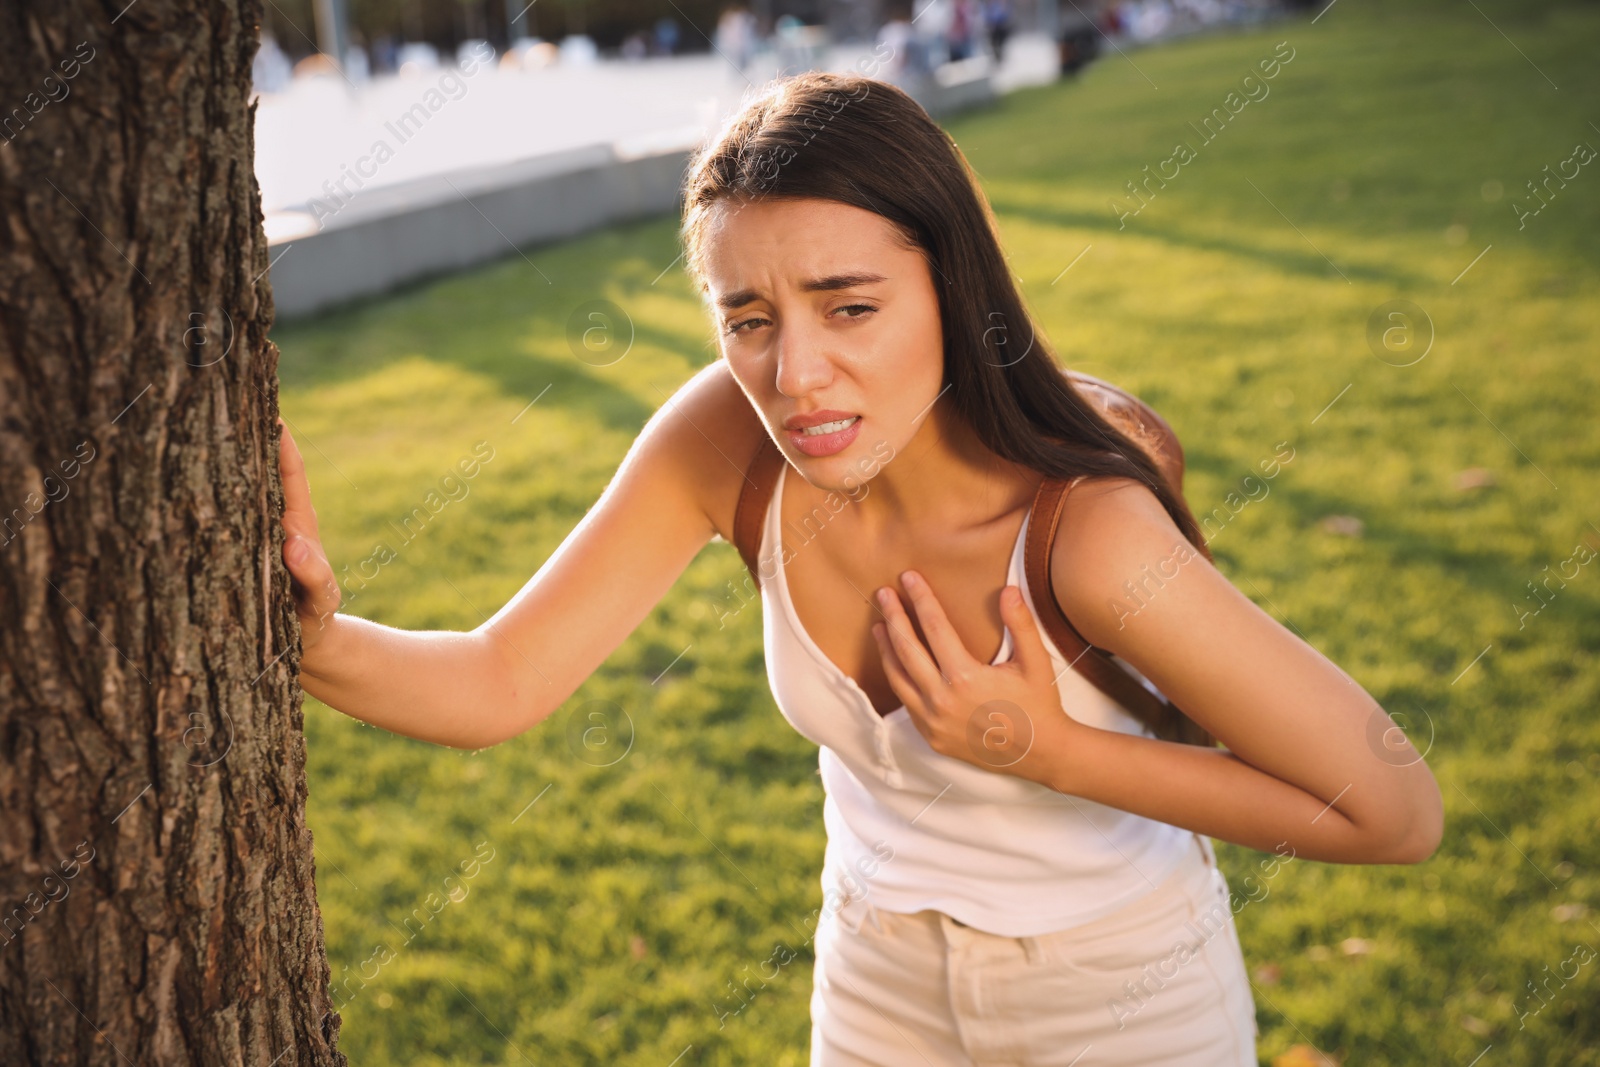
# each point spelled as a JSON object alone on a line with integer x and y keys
{"x": 848, "y": 280}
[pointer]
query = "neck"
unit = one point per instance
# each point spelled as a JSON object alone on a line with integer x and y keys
{"x": 944, "y": 479}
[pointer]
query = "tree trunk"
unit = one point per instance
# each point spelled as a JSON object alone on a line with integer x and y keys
{"x": 157, "y": 899}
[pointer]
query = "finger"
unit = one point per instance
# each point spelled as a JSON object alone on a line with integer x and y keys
{"x": 308, "y": 564}
{"x": 899, "y": 681}
{"x": 298, "y": 515}
{"x": 1031, "y": 652}
{"x": 915, "y": 658}
{"x": 951, "y": 655}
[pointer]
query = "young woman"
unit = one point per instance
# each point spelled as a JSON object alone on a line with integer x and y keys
{"x": 1062, "y": 904}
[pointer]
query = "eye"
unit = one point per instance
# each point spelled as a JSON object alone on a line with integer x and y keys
{"x": 856, "y": 307}
{"x": 734, "y": 327}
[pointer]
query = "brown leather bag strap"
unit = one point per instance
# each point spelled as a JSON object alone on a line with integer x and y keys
{"x": 1138, "y": 420}
{"x": 1164, "y": 718}
{"x": 760, "y": 479}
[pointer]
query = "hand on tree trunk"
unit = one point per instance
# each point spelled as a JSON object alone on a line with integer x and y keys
{"x": 316, "y": 590}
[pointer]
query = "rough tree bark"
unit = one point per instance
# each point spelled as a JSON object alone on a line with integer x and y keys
{"x": 157, "y": 899}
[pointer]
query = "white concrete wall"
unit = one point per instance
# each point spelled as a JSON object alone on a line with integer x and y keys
{"x": 385, "y": 237}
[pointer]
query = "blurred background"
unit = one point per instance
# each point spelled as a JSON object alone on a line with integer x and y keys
{"x": 1381, "y": 262}
{"x": 524, "y": 81}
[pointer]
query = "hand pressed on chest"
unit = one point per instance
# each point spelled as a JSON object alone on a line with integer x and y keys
{"x": 832, "y": 571}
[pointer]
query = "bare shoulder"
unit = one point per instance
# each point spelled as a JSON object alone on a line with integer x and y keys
{"x": 712, "y": 433}
{"x": 1114, "y": 533}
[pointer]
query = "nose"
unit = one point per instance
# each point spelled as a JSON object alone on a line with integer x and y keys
{"x": 805, "y": 363}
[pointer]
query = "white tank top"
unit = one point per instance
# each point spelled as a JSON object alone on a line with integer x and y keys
{"x": 914, "y": 829}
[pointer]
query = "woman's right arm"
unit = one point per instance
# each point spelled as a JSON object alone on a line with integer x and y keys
{"x": 676, "y": 488}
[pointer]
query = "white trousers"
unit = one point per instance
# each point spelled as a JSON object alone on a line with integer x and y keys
{"x": 1158, "y": 983}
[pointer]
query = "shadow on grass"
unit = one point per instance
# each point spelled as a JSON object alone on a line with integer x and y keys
{"x": 1308, "y": 264}
{"x": 494, "y": 320}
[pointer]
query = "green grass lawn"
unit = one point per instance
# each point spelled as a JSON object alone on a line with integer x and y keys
{"x": 611, "y": 921}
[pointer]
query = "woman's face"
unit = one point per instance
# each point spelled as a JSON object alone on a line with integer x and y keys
{"x": 821, "y": 309}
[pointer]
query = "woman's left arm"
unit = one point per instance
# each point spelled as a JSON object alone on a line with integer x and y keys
{"x": 1312, "y": 760}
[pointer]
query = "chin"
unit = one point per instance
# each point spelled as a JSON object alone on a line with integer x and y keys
{"x": 848, "y": 472}
{"x": 845, "y": 483}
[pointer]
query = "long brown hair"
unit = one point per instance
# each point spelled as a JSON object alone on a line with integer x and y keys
{"x": 866, "y": 143}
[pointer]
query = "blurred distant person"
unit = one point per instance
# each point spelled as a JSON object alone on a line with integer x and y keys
{"x": 1077, "y": 42}
{"x": 1112, "y": 23}
{"x": 270, "y": 71}
{"x": 736, "y": 35}
{"x": 932, "y": 23}
{"x": 634, "y": 46}
{"x": 385, "y": 52}
{"x": 666, "y": 35}
{"x": 902, "y": 55}
{"x": 1146, "y": 20}
{"x": 997, "y": 21}
{"x": 963, "y": 29}
{"x": 357, "y": 67}
{"x": 792, "y": 46}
